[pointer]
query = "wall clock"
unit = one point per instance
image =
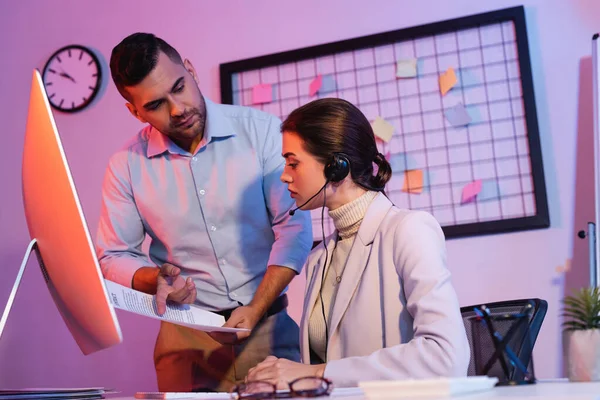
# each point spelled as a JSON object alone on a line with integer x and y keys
{"x": 72, "y": 77}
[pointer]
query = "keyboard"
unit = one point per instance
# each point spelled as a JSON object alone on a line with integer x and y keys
{"x": 183, "y": 395}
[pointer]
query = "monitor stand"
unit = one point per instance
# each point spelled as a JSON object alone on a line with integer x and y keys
{"x": 33, "y": 247}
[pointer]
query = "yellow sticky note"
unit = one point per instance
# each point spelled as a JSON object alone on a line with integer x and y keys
{"x": 447, "y": 80}
{"x": 382, "y": 129}
{"x": 406, "y": 68}
{"x": 413, "y": 181}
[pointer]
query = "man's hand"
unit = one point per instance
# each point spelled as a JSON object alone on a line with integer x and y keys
{"x": 280, "y": 371}
{"x": 242, "y": 317}
{"x": 172, "y": 287}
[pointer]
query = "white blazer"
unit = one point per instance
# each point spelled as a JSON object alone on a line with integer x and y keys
{"x": 396, "y": 314}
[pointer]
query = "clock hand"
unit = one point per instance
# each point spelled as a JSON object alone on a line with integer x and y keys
{"x": 65, "y": 75}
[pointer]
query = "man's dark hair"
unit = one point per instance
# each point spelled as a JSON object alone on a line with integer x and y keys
{"x": 135, "y": 57}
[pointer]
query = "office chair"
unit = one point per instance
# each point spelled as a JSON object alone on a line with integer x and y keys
{"x": 501, "y": 336}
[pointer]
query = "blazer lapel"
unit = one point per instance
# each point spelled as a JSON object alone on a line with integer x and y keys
{"x": 358, "y": 258}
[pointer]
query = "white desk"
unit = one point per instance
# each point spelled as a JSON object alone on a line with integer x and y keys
{"x": 541, "y": 390}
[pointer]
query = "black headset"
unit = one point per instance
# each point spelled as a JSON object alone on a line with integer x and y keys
{"x": 337, "y": 168}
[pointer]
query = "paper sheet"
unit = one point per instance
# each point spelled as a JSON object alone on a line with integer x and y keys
{"x": 262, "y": 93}
{"x": 144, "y": 304}
{"x": 406, "y": 68}
{"x": 447, "y": 80}
{"x": 413, "y": 181}
{"x": 382, "y": 129}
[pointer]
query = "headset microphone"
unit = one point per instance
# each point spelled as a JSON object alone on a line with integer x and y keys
{"x": 292, "y": 212}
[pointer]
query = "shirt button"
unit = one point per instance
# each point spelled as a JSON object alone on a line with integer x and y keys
{"x": 223, "y": 261}
{"x": 233, "y": 294}
{"x": 213, "y": 228}
{"x": 194, "y": 158}
{"x": 202, "y": 191}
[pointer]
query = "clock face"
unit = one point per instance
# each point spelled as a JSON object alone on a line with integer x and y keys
{"x": 72, "y": 78}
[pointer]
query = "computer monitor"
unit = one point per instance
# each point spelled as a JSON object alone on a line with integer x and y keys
{"x": 62, "y": 240}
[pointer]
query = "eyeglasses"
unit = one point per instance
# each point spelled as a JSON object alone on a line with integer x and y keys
{"x": 310, "y": 386}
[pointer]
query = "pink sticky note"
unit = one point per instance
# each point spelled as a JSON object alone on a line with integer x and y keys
{"x": 262, "y": 93}
{"x": 470, "y": 191}
{"x": 315, "y": 85}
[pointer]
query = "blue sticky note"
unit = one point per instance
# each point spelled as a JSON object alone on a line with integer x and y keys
{"x": 475, "y": 113}
{"x": 490, "y": 190}
{"x": 401, "y": 162}
{"x": 458, "y": 115}
{"x": 466, "y": 77}
{"x": 398, "y": 162}
{"x": 426, "y": 180}
{"x": 328, "y": 84}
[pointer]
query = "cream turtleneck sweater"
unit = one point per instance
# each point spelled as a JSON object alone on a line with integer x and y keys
{"x": 347, "y": 220}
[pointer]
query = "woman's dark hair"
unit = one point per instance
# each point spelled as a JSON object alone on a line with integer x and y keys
{"x": 332, "y": 125}
{"x": 135, "y": 57}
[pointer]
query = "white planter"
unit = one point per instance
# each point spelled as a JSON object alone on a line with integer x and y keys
{"x": 583, "y": 355}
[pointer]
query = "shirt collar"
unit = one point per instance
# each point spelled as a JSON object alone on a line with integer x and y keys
{"x": 217, "y": 126}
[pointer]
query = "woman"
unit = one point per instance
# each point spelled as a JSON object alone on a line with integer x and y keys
{"x": 379, "y": 303}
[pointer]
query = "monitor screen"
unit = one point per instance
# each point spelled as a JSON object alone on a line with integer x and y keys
{"x": 55, "y": 219}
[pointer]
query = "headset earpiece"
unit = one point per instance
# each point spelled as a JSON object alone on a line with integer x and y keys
{"x": 338, "y": 168}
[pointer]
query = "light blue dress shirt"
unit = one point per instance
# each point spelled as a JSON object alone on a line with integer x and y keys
{"x": 221, "y": 214}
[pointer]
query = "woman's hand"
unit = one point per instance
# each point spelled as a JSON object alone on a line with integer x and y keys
{"x": 280, "y": 371}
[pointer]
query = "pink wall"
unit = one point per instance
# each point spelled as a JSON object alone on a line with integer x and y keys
{"x": 37, "y": 350}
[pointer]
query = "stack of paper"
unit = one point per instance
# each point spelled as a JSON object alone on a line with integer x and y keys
{"x": 414, "y": 388}
{"x": 54, "y": 393}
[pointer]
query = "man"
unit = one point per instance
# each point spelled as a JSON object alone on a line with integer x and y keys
{"x": 202, "y": 180}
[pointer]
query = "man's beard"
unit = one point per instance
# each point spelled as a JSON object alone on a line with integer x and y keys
{"x": 180, "y": 131}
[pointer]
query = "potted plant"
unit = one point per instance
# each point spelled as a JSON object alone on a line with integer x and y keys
{"x": 582, "y": 328}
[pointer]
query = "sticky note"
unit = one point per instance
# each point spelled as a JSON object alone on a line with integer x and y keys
{"x": 262, "y": 93}
{"x": 490, "y": 190}
{"x": 470, "y": 191}
{"x": 315, "y": 85}
{"x": 382, "y": 129}
{"x": 564, "y": 268}
{"x": 406, "y": 68}
{"x": 328, "y": 84}
{"x": 447, "y": 80}
{"x": 413, "y": 181}
{"x": 458, "y": 115}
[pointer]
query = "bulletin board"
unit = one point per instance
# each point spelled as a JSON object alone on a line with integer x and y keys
{"x": 452, "y": 105}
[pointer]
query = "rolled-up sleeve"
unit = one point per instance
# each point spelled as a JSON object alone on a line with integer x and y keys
{"x": 120, "y": 230}
{"x": 293, "y": 234}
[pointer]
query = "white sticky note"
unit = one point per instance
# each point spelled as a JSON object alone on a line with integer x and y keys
{"x": 382, "y": 129}
{"x": 406, "y": 68}
{"x": 458, "y": 115}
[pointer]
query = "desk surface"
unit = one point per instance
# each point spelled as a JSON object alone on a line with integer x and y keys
{"x": 542, "y": 390}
